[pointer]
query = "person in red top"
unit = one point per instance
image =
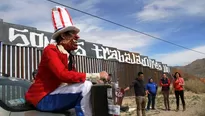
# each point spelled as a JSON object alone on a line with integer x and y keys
{"x": 165, "y": 83}
{"x": 58, "y": 86}
{"x": 178, "y": 85}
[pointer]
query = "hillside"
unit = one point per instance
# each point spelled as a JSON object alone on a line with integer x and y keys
{"x": 196, "y": 68}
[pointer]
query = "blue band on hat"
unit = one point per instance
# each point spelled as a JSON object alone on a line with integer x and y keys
{"x": 58, "y": 29}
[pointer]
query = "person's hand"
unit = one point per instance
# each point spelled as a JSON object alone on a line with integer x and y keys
{"x": 126, "y": 89}
{"x": 100, "y": 81}
{"x": 104, "y": 75}
{"x": 147, "y": 92}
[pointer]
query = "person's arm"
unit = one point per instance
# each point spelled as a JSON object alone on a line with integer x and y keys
{"x": 182, "y": 82}
{"x": 129, "y": 87}
{"x": 147, "y": 89}
{"x": 168, "y": 82}
{"x": 161, "y": 84}
{"x": 61, "y": 72}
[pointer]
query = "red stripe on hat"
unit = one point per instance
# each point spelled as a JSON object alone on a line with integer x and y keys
{"x": 69, "y": 16}
{"x": 61, "y": 17}
{"x": 54, "y": 21}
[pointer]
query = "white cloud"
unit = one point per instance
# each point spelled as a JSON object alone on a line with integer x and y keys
{"x": 181, "y": 57}
{"x": 24, "y": 11}
{"x": 164, "y": 9}
{"x": 92, "y": 30}
{"x": 121, "y": 40}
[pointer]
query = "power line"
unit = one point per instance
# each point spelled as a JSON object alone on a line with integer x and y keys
{"x": 129, "y": 28}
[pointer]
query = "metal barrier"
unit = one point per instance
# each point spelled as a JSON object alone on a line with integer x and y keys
{"x": 20, "y": 62}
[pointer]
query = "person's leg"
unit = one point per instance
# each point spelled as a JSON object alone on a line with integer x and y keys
{"x": 165, "y": 99}
{"x": 168, "y": 100}
{"x": 149, "y": 101}
{"x": 177, "y": 99}
{"x": 153, "y": 101}
{"x": 182, "y": 99}
{"x": 70, "y": 96}
{"x": 138, "y": 102}
{"x": 143, "y": 105}
{"x": 86, "y": 100}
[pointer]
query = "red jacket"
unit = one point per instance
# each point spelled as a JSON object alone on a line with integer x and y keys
{"x": 52, "y": 71}
{"x": 178, "y": 84}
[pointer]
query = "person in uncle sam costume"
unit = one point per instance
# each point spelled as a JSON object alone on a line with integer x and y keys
{"x": 48, "y": 93}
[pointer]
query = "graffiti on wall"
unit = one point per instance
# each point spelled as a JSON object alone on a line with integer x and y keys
{"x": 27, "y": 36}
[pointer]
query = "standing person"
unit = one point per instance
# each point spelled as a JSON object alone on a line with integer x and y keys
{"x": 140, "y": 93}
{"x": 56, "y": 67}
{"x": 165, "y": 83}
{"x": 178, "y": 84}
{"x": 151, "y": 89}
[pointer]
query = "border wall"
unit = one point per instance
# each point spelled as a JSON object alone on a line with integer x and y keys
{"x": 21, "y": 48}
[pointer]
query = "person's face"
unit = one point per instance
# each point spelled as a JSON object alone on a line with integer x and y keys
{"x": 177, "y": 75}
{"x": 69, "y": 41}
{"x": 164, "y": 75}
{"x": 141, "y": 76}
{"x": 151, "y": 80}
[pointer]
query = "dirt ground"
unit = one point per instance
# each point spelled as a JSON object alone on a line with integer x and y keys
{"x": 193, "y": 103}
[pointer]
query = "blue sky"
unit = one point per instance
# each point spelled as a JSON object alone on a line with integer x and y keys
{"x": 181, "y": 22}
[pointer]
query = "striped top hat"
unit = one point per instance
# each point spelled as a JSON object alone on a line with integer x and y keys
{"x": 62, "y": 21}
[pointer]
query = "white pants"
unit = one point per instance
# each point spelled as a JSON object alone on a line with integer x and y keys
{"x": 67, "y": 96}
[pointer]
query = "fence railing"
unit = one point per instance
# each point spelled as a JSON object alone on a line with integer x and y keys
{"x": 20, "y": 62}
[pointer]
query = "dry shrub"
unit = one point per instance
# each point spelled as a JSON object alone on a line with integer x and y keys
{"x": 201, "y": 111}
{"x": 195, "y": 85}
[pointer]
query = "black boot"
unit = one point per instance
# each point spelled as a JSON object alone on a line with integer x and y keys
{"x": 184, "y": 107}
{"x": 177, "y": 109}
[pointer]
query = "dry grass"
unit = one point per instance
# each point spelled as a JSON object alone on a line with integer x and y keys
{"x": 195, "y": 85}
{"x": 201, "y": 111}
{"x": 194, "y": 98}
{"x": 195, "y": 104}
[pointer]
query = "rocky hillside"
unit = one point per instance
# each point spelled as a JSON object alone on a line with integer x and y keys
{"x": 196, "y": 68}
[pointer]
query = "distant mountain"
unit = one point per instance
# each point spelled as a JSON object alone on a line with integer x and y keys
{"x": 196, "y": 68}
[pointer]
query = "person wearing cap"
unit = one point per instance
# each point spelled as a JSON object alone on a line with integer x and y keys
{"x": 57, "y": 67}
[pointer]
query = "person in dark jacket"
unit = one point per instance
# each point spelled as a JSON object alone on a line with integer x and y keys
{"x": 140, "y": 93}
{"x": 165, "y": 83}
{"x": 151, "y": 89}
